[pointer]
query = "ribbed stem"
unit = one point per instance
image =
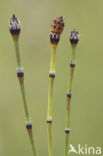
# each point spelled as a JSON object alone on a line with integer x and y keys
{"x": 21, "y": 82}
{"x": 50, "y": 97}
{"x": 50, "y": 139}
{"x": 66, "y": 144}
{"x": 53, "y": 56}
{"x": 67, "y": 131}
{"x": 73, "y": 53}
{"x": 32, "y": 143}
{"x": 24, "y": 101}
{"x": 71, "y": 79}
{"x": 16, "y": 43}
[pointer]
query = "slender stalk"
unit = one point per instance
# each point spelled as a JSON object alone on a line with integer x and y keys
{"x": 15, "y": 28}
{"x": 32, "y": 143}
{"x": 53, "y": 56}
{"x": 20, "y": 75}
{"x": 24, "y": 101}
{"x": 67, "y": 130}
{"x": 51, "y": 81}
{"x": 56, "y": 30}
{"x": 73, "y": 54}
{"x": 16, "y": 43}
{"x": 74, "y": 38}
{"x": 50, "y": 139}
{"x": 50, "y": 97}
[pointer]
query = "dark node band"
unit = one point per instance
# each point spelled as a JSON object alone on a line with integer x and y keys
{"x": 54, "y": 38}
{"x": 72, "y": 64}
{"x": 15, "y": 31}
{"x": 52, "y": 75}
{"x": 49, "y": 121}
{"x": 67, "y": 131}
{"x": 20, "y": 74}
{"x": 29, "y": 126}
{"x": 69, "y": 95}
{"x": 74, "y": 41}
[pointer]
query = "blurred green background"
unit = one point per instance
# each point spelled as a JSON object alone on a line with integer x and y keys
{"x": 87, "y": 102}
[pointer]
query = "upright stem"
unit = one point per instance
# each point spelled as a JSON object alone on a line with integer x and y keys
{"x": 53, "y": 56}
{"x": 16, "y": 43}
{"x": 32, "y": 143}
{"x": 73, "y": 54}
{"x": 67, "y": 130}
{"x": 50, "y": 97}
{"x": 20, "y": 75}
{"x": 24, "y": 101}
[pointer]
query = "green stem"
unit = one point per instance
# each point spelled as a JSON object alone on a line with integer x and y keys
{"x": 72, "y": 69}
{"x": 32, "y": 144}
{"x": 73, "y": 54}
{"x": 17, "y": 53}
{"x": 24, "y": 101}
{"x": 66, "y": 144}
{"x": 50, "y": 97}
{"x": 27, "y": 117}
{"x": 68, "y": 103}
{"x": 50, "y": 139}
{"x": 67, "y": 127}
{"x": 53, "y": 57}
{"x": 24, "y": 97}
{"x": 71, "y": 79}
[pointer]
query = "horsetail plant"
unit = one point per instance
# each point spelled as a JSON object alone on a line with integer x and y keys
{"x": 74, "y": 38}
{"x": 56, "y": 30}
{"x": 15, "y": 29}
